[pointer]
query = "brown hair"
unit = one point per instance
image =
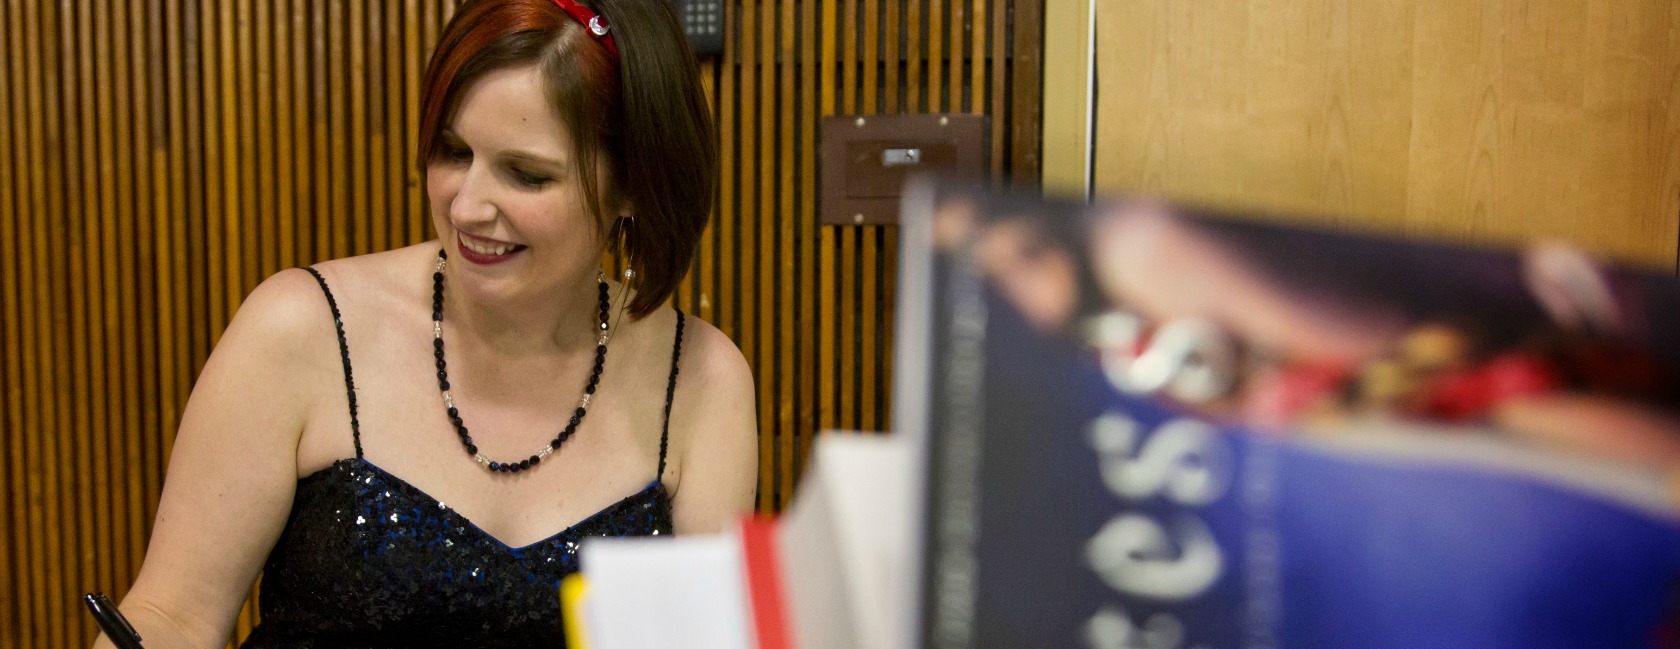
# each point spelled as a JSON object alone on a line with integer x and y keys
{"x": 643, "y": 114}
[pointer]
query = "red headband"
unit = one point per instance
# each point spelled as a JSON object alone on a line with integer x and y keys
{"x": 592, "y": 23}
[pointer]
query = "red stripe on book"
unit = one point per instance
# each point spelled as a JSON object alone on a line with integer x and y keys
{"x": 764, "y": 584}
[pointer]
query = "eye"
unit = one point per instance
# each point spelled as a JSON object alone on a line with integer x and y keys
{"x": 531, "y": 180}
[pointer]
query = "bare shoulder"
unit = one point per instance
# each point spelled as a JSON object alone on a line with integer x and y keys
{"x": 380, "y": 273}
{"x": 714, "y": 429}
{"x": 712, "y": 364}
{"x": 288, "y": 316}
{"x": 282, "y": 315}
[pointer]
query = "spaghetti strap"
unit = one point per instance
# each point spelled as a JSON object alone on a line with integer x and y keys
{"x": 344, "y": 353}
{"x": 670, "y": 393}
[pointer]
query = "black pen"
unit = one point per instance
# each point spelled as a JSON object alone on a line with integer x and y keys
{"x": 112, "y": 622}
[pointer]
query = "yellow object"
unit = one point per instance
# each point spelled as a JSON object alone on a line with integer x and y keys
{"x": 574, "y": 590}
{"x": 1432, "y": 348}
{"x": 1383, "y": 384}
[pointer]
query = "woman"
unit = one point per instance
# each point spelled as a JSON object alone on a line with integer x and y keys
{"x": 410, "y": 445}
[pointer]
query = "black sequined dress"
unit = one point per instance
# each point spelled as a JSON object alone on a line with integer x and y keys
{"x": 369, "y": 560}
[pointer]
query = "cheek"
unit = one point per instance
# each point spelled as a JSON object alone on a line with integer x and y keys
{"x": 441, "y": 186}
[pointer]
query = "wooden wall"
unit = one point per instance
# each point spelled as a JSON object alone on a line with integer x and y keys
{"x": 158, "y": 159}
{"x": 1484, "y": 121}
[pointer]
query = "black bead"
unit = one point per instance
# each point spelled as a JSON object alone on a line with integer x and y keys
{"x": 443, "y": 385}
{"x": 456, "y": 421}
{"x": 442, "y": 374}
{"x": 589, "y": 389}
{"x": 438, "y": 353}
{"x": 437, "y": 276}
{"x": 453, "y": 413}
{"x": 535, "y": 459}
{"x": 600, "y": 350}
{"x": 576, "y": 419}
{"x": 462, "y": 431}
{"x": 579, "y": 412}
{"x": 594, "y": 379}
{"x": 524, "y": 464}
{"x": 437, "y": 342}
{"x": 555, "y": 445}
{"x": 441, "y": 365}
{"x": 495, "y": 467}
{"x": 437, "y": 314}
{"x": 466, "y": 439}
{"x": 472, "y": 450}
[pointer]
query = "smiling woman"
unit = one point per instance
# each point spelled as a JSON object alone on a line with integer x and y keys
{"x": 513, "y": 404}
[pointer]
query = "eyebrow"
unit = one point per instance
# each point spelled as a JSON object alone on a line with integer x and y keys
{"x": 523, "y": 156}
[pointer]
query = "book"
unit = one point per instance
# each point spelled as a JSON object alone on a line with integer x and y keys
{"x": 1150, "y": 426}
{"x": 828, "y": 574}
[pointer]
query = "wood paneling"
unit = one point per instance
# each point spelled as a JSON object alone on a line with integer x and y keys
{"x": 158, "y": 159}
{"x": 1482, "y": 121}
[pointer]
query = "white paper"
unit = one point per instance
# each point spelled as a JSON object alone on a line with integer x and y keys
{"x": 666, "y": 592}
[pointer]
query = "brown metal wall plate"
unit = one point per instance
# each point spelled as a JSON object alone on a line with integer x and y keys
{"x": 866, "y": 159}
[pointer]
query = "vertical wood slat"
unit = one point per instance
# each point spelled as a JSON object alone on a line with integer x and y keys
{"x": 785, "y": 291}
{"x": 11, "y": 386}
{"x": 110, "y": 356}
{"x": 763, "y": 298}
{"x": 124, "y": 457}
{"x": 1026, "y": 53}
{"x": 845, "y": 259}
{"x": 246, "y": 137}
{"x": 49, "y": 235}
{"x": 808, "y": 265}
{"x": 24, "y": 25}
{"x": 867, "y": 236}
{"x": 144, "y": 50}
{"x": 747, "y": 191}
{"x": 87, "y": 134}
{"x": 826, "y": 310}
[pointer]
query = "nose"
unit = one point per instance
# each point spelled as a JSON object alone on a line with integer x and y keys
{"x": 474, "y": 200}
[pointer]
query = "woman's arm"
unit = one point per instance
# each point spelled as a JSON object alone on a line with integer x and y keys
{"x": 714, "y": 432}
{"x": 233, "y": 468}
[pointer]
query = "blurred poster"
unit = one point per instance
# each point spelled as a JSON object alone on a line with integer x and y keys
{"x": 1150, "y": 427}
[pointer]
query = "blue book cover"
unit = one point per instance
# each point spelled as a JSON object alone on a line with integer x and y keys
{"x": 1149, "y": 427}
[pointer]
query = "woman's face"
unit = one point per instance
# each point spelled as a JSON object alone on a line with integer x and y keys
{"x": 505, "y": 194}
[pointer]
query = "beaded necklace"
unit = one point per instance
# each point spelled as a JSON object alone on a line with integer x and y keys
{"x": 455, "y": 413}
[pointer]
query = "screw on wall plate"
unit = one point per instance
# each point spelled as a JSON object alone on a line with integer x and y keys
{"x": 860, "y": 122}
{"x": 943, "y": 120}
{"x": 857, "y": 218}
